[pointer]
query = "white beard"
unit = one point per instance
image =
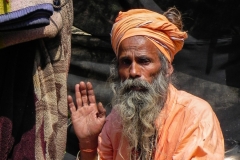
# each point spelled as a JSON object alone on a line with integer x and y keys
{"x": 139, "y": 109}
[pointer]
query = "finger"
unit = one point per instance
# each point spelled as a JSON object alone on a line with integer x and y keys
{"x": 78, "y": 95}
{"x": 83, "y": 91}
{"x": 91, "y": 95}
{"x": 101, "y": 110}
{"x": 71, "y": 104}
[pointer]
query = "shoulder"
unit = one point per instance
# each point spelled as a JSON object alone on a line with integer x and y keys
{"x": 192, "y": 108}
{"x": 200, "y": 134}
{"x": 192, "y": 102}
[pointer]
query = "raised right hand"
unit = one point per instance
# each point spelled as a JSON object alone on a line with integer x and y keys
{"x": 87, "y": 117}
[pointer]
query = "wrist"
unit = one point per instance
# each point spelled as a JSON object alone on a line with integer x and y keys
{"x": 88, "y": 144}
{"x": 93, "y": 155}
{"x": 92, "y": 150}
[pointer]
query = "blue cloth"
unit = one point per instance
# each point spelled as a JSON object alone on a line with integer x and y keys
{"x": 27, "y": 18}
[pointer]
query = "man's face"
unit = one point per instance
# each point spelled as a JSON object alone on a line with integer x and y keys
{"x": 142, "y": 91}
{"x": 138, "y": 58}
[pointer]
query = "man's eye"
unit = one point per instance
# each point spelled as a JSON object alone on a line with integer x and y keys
{"x": 125, "y": 62}
{"x": 144, "y": 61}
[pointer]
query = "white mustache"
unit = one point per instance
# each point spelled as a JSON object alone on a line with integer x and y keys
{"x": 130, "y": 85}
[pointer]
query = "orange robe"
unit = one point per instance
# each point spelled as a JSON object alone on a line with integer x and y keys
{"x": 189, "y": 129}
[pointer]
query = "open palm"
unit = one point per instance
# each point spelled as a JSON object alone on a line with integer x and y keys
{"x": 87, "y": 117}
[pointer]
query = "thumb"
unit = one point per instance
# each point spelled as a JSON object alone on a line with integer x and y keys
{"x": 101, "y": 110}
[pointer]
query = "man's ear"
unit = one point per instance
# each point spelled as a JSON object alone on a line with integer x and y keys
{"x": 169, "y": 69}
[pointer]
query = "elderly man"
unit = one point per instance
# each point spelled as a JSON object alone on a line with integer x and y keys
{"x": 150, "y": 118}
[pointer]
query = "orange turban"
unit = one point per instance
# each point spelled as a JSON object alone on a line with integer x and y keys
{"x": 156, "y": 27}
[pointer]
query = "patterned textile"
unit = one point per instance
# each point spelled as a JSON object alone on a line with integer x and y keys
{"x": 33, "y": 106}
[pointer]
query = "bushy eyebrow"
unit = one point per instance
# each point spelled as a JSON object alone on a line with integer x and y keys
{"x": 125, "y": 56}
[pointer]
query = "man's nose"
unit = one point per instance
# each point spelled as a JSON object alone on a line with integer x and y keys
{"x": 135, "y": 71}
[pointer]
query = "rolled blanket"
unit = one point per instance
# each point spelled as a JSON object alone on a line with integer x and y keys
{"x": 26, "y": 20}
{"x": 23, "y": 14}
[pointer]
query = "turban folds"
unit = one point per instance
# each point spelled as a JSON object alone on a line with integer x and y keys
{"x": 154, "y": 26}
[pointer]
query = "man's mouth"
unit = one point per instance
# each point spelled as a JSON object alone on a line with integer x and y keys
{"x": 137, "y": 88}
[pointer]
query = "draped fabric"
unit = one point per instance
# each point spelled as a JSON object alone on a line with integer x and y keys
{"x": 33, "y": 106}
{"x": 187, "y": 129}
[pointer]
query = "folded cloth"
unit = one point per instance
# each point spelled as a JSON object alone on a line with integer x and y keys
{"x": 29, "y": 17}
{"x": 9, "y": 38}
{"x": 23, "y": 14}
{"x": 8, "y": 6}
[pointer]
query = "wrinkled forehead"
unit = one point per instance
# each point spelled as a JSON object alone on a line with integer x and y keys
{"x": 138, "y": 44}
